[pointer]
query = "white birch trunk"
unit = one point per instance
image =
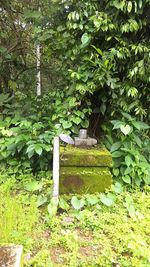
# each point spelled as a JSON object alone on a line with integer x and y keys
{"x": 38, "y": 65}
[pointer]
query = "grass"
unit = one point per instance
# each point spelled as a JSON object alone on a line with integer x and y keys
{"x": 94, "y": 236}
{"x": 18, "y": 217}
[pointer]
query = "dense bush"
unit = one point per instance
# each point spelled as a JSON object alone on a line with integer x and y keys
{"x": 100, "y": 52}
{"x": 28, "y": 126}
{"x": 106, "y": 51}
{"x": 130, "y": 151}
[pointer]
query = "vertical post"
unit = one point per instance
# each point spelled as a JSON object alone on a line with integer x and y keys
{"x": 56, "y": 169}
{"x": 38, "y": 65}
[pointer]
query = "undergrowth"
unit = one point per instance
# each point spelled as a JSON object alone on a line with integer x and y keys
{"x": 18, "y": 217}
{"x": 92, "y": 234}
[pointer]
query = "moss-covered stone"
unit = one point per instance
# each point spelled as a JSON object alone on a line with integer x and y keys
{"x": 75, "y": 156}
{"x": 84, "y": 179}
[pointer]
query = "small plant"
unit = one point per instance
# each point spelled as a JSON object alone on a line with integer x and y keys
{"x": 42, "y": 258}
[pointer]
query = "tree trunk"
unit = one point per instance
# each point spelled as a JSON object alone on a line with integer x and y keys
{"x": 38, "y": 64}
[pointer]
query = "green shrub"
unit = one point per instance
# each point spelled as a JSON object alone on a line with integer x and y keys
{"x": 129, "y": 145}
{"x": 27, "y": 131}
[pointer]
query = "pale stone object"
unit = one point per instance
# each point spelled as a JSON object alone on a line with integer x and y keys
{"x": 11, "y": 256}
{"x": 85, "y": 142}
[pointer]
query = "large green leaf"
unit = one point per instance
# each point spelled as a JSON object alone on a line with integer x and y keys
{"x": 85, "y": 39}
{"x": 52, "y": 208}
{"x": 126, "y": 179}
{"x": 115, "y": 146}
{"x": 33, "y": 186}
{"x": 77, "y": 203}
{"x": 140, "y": 125}
{"x": 63, "y": 203}
{"x": 125, "y": 129}
{"x": 117, "y": 154}
{"x": 128, "y": 160}
{"x": 92, "y": 200}
{"x": 67, "y": 124}
{"x": 76, "y": 120}
{"x": 108, "y": 199}
{"x": 42, "y": 199}
{"x": 137, "y": 140}
{"x": 118, "y": 188}
{"x": 38, "y": 149}
{"x": 117, "y": 124}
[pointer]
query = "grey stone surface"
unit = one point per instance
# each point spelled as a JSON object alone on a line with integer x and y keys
{"x": 85, "y": 142}
{"x": 83, "y": 134}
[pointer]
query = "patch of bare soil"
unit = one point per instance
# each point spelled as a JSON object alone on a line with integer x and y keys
{"x": 84, "y": 236}
{"x": 47, "y": 234}
{"x": 88, "y": 251}
{"x": 67, "y": 220}
{"x": 57, "y": 255}
{"x": 85, "y": 251}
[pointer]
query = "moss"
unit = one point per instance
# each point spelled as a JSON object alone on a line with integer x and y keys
{"x": 84, "y": 150}
{"x": 84, "y": 179}
{"x": 95, "y": 156}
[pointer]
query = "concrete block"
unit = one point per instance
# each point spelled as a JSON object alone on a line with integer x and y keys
{"x": 81, "y": 180}
{"x": 97, "y": 156}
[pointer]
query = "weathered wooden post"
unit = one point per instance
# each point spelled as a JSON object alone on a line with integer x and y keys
{"x": 56, "y": 169}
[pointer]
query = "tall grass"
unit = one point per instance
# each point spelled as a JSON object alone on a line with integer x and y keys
{"x": 18, "y": 217}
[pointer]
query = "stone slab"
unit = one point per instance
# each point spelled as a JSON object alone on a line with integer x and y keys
{"x": 85, "y": 142}
{"x": 83, "y": 180}
{"x": 11, "y": 256}
{"x": 75, "y": 156}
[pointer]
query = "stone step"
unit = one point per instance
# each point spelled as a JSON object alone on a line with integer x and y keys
{"x": 11, "y": 256}
{"x": 75, "y": 156}
{"x": 81, "y": 180}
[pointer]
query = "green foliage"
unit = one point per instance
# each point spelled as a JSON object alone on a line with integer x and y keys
{"x": 100, "y": 49}
{"x": 27, "y": 132}
{"x": 101, "y": 236}
{"x": 76, "y": 203}
{"x": 95, "y": 59}
{"x": 118, "y": 234}
{"x": 108, "y": 199}
{"x": 81, "y": 202}
{"x": 42, "y": 258}
{"x": 90, "y": 50}
{"x": 19, "y": 216}
{"x": 39, "y": 185}
{"x": 130, "y": 150}
{"x": 105, "y": 45}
